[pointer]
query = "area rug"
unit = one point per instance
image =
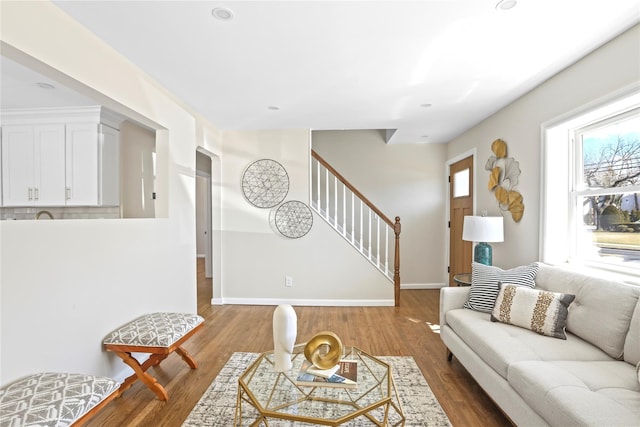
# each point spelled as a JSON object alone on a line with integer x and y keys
{"x": 217, "y": 405}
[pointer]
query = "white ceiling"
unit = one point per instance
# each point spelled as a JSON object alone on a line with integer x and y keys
{"x": 356, "y": 64}
{"x": 19, "y": 88}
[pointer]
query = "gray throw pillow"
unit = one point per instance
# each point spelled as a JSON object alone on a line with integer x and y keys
{"x": 543, "y": 312}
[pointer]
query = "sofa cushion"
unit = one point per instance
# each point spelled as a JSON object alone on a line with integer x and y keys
{"x": 485, "y": 280}
{"x": 500, "y": 345}
{"x": 541, "y": 311}
{"x": 591, "y": 316}
{"x": 632, "y": 343}
{"x": 572, "y": 393}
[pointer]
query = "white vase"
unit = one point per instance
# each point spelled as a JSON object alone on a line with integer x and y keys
{"x": 285, "y": 330}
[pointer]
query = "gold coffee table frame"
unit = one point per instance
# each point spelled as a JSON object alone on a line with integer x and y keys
{"x": 265, "y": 395}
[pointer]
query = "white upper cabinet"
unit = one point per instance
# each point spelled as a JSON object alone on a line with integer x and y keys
{"x": 59, "y": 158}
{"x": 49, "y": 164}
{"x": 33, "y": 171}
{"x": 92, "y": 158}
{"x": 109, "y": 140}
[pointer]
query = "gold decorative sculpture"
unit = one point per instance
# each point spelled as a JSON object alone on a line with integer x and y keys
{"x": 503, "y": 177}
{"x": 324, "y": 350}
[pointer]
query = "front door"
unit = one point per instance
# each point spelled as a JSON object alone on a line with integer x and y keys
{"x": 460, "y": 204}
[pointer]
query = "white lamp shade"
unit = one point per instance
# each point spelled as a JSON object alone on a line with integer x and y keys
{"x": 483, "y": 229}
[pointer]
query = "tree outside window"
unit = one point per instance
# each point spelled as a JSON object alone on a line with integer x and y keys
{"x": 606, "y": 190}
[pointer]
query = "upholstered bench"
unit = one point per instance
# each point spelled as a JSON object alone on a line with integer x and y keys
{"x": 54, "y": 399}
{"x": 159, "y": 334}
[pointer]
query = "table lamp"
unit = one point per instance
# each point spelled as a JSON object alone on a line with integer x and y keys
{"x": 483, "y": 229}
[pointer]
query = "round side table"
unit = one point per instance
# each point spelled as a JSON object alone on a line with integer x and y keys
{"x": 462, "y": 279}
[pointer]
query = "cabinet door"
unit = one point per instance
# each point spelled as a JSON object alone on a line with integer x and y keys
{"x": 82, "y": 164}
{"x": 17, "y": 165}
{"x": 49, "y": 167}
{"x": 109, "y": 166}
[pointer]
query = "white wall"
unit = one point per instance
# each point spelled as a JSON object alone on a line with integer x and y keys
{"x": 608, "y": 69}
{"x": 65, "y": 284}
{"x": 137, "y": 148}
{"x": 256, "y": 259}
{"x": 402, "y": 180}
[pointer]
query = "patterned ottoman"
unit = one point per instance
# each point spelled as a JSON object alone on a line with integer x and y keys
{"x": 54, "y": 399}
{"x": 159, "y": 334}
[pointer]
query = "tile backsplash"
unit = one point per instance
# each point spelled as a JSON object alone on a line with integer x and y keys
{"x": 76, "y": 212}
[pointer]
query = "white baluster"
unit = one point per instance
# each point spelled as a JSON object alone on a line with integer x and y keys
{"x": 386, "y": 250}
{"x": 361, "y": 225}
{"x": 335, "y": 202}
{"x": 353, "y": 218}
{"x": 318, "y": 185}
{"x": 326, "y": 178}
{"x": 369, "y": 233}
{"x": 378, "y": 240}
{"x": 344, "y": 210}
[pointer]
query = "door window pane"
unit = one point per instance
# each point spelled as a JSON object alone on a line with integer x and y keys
{"x": 461, "y": 183}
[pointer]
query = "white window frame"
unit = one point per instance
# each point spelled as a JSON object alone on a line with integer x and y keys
{"x": 559, "y": 174}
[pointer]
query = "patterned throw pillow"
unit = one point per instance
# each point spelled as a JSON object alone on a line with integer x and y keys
{"x": 543, "y": 312}
{"x": 485, "y": 280}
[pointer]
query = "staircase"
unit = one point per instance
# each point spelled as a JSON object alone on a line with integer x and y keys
{"x": 357, "y": 220}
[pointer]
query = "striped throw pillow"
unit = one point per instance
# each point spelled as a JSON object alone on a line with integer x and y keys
{"x": 485, "y": 280}
{"x": 541, "y": 311}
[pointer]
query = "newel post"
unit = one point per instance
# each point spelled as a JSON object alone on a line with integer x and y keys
{"x": 396, "y": 267}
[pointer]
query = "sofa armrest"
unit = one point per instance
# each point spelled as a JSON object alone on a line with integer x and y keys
{"x": 452, "y": 298}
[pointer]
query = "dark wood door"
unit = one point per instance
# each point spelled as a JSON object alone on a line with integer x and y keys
{"x": 460, "y": 204}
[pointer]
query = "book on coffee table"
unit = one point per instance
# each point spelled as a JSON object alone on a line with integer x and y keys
{"x": 344, "y": 375}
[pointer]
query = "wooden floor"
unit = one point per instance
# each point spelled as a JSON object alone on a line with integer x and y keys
{"x": 410, "y": 330}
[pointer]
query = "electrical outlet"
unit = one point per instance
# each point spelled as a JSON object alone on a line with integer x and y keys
{"x": 288, "y": 281}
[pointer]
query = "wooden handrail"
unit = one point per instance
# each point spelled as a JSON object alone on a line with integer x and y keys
{"x": 394, "y": 225}
{"x": 353, "y": 189}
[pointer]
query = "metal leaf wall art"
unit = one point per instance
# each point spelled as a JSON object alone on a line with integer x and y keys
{"x": 503, "y": 177}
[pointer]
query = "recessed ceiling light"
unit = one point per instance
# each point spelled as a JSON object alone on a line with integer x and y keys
{"x": 43, "y": 85}
{"x": 222, "y": 13}
{"x": 273, "y": 108}
{"x": 424, "y": 136}
{"x": 426, "y": 105}
{"x": 506, "y": 4}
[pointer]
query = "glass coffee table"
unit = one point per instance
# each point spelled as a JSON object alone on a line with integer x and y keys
{"x": 270, "y": 398}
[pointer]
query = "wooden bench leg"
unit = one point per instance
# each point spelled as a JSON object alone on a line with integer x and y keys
{"x": 140, "y": 373}
{"x": 187, "y": 357}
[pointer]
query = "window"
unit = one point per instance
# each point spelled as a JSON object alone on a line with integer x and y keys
{"x": 591, "y": 187}
{"x": 461, "y": 183}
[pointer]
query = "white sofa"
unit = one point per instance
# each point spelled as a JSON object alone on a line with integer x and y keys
{"x": 589, "y": 379}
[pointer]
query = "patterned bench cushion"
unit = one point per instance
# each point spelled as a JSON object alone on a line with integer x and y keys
{"x": 154, "y": 330}
{"x": 52, "y": 399}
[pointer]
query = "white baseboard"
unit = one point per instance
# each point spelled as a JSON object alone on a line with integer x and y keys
{"x": 304, "y": 302}
{"x": 422, "y": 285}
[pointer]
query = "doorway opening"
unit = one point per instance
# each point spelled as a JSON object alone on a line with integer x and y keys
{"x": 207, "y": 207}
